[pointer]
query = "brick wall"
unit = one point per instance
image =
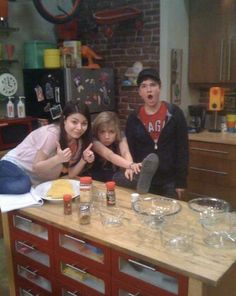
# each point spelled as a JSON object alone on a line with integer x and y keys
{"x": 127, "y": 46}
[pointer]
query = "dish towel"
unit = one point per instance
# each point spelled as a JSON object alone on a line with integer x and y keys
{"x": 9, "y": 202}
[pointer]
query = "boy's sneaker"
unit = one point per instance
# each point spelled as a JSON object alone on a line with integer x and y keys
{"x": 149, "y": 167}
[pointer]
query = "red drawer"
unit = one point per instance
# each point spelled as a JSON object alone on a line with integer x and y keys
{"x": 148, "y": 277}
{"x": 83, "y": 250}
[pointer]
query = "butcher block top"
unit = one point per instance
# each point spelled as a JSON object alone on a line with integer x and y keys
{"x": 202, "y": 263}
{"x": 211, "y": 137}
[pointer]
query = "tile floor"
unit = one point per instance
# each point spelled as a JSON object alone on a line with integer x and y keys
{"x": 4, "y": 291}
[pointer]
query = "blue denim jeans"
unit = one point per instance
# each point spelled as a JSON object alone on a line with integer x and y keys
{"x": 13, "y": 180}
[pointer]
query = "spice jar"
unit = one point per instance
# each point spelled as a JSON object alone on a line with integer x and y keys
{"x": 111, "y": 195}
{"x": 67, "y": 199}
{"x": 134, "y": 198}
{"x": 84, "y": 213}
{"x": 85, "y": 189}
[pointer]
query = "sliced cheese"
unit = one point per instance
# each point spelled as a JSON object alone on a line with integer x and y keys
{"x": 59, "y": 188}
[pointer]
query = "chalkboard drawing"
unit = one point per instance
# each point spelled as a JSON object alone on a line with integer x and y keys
{"x": 78, "y": 84}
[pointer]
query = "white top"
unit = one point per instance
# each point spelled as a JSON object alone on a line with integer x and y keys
{"x": 44, "y": 138}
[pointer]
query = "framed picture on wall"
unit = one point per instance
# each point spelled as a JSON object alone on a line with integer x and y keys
{"x": 176, "y": 76}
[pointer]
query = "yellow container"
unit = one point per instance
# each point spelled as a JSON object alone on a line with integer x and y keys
{"x": 52, "y": 58}
{"x": 231, "y": 117}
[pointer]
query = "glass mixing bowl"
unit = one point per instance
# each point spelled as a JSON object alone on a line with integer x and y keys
{"x": 215, "y": 219}
{"x": 153, "y": 211}
{"x": 209, "y": 205}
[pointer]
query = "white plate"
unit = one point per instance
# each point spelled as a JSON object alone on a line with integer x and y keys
{"x": 42, "y": 189}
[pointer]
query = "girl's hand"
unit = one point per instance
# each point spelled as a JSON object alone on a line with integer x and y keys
{"x": 88, "y": 154}
{"x": 129, "y": 174}
{"x": 63, "y": 155}
{"x": 135, "y": 167}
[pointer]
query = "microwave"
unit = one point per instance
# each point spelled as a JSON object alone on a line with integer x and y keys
{"x": 14, "y": 130}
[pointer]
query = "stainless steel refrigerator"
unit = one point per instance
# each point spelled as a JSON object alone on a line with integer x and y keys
{"x": 47, "y": 90}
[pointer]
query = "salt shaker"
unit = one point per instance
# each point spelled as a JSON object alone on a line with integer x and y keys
{"x": 134, "y": 198}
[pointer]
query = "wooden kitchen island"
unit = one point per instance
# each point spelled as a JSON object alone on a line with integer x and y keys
{"x": 115, "y": 260}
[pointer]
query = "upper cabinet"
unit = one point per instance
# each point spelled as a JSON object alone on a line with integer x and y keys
{"x": 212, "y": 42}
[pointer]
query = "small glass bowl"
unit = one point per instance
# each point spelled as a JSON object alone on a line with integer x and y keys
{"x": 111, "y": 216}
{"x": 219, "y": 230}
{"x": 177, "y": 236}
{"x": 153, "y": 211}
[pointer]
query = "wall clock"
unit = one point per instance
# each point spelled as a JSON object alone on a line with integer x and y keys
{"x": 8, "y": 84}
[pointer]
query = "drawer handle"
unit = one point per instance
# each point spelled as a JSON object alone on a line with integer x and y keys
{"x": 3, "y": 124}
{"x": 209, "y": 150}
{"x": 75, "y": 293}
{"x": 76, "y": 268}
{"x": 23, "y": 218}
{"x": 34, "y": 273}
{"x": 141, "y": 264}
{"x": 27, "y": 292}
{"x": 25, "y": 245}
{"x": 209, "y": 171}
{"x": 137, "y": 294}
{"x": 74, "y": 238}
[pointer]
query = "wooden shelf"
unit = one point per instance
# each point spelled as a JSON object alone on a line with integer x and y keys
{"x": 2, "y": 62}
{"x": 8, "y": 30}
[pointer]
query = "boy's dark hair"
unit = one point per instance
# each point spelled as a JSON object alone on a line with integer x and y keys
{"x": 146, "y": 74}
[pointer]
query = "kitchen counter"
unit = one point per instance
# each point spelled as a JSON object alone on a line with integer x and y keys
{"x": 210, "y": 271}
{"x": 221, "y": 138}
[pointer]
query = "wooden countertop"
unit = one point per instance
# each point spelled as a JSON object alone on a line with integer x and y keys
{"x": 202, "y": 263}
{"x": 221, "y": 138}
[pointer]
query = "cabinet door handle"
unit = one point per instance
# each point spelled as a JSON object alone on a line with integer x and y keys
{"x": 142, "y": 265}
{"x": 27, "y": 292}
{"x": 74, "y": 238}
{"x": 76, "y": 268}
{"x": 229, "y": 59}
{"x": 75, "y": 293}
{"x": 23, "y": 218}
{"x": 221, "y": 58}
{"x": 209, "y": 150}
{"x": 208, "y": 171}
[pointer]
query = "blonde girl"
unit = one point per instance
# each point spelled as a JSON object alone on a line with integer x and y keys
{"x": 111, "y": 149}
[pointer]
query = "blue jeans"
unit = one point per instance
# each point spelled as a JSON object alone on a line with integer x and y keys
{"x": 13, "y": 180}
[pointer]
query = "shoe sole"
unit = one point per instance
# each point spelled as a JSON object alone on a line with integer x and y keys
{"x": 149, "y": 167}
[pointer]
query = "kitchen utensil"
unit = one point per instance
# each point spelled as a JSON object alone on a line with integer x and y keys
{"x": 153, "y": 211}
{"x": 208, "y": 205}
{"x": 111, "y": 216}
{"x": 177, "y": 236}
